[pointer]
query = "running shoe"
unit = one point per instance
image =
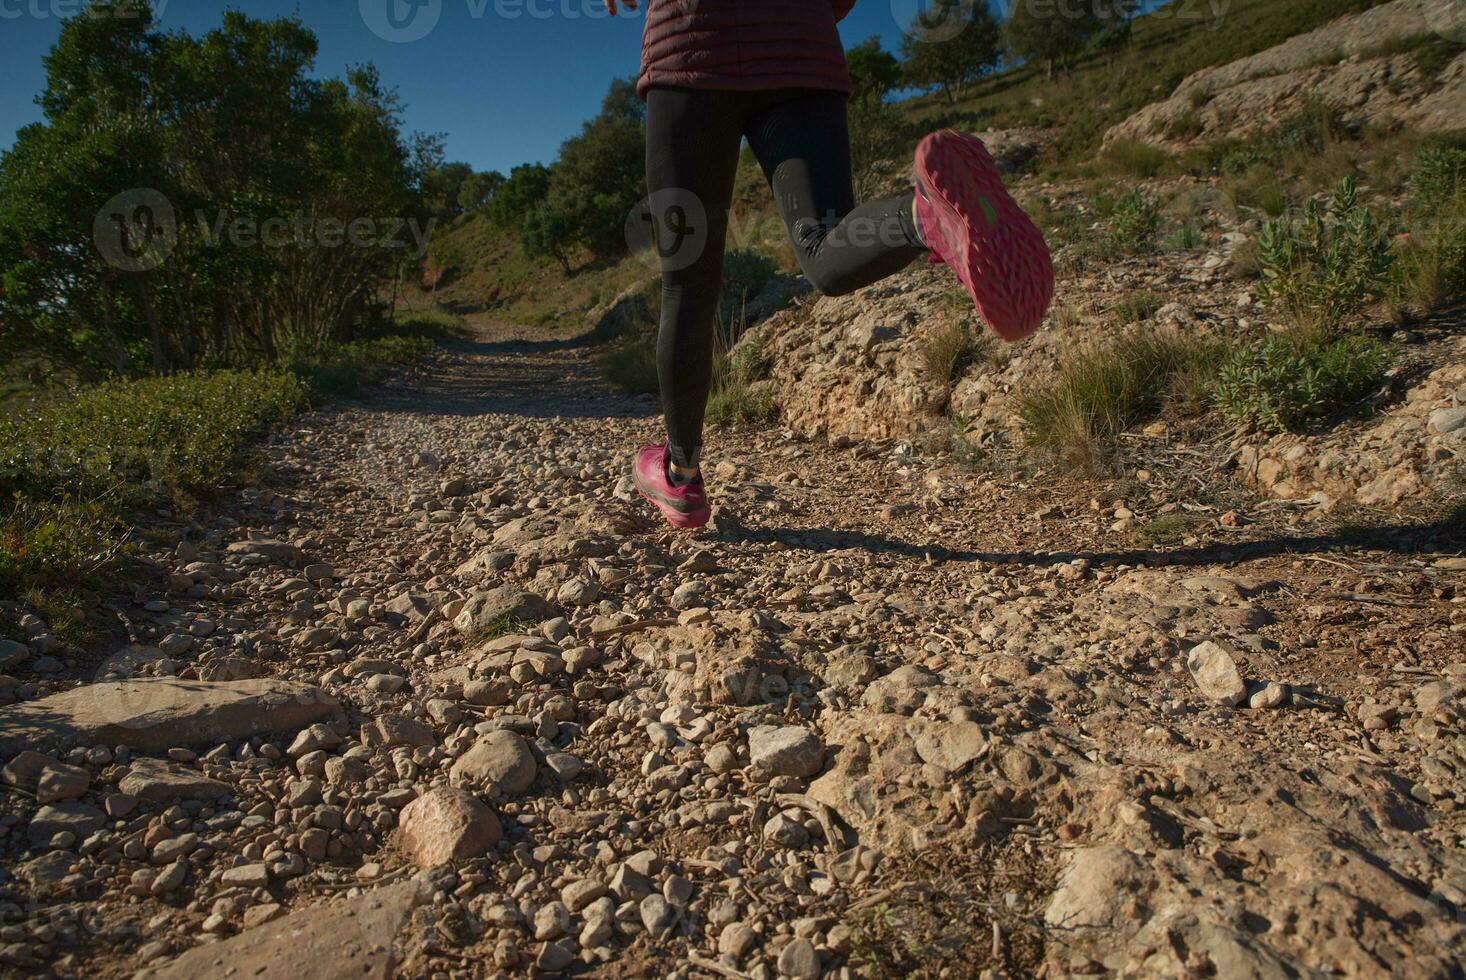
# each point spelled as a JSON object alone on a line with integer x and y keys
{"x": 683, "y": 506}
{"x": 972, "y": 224}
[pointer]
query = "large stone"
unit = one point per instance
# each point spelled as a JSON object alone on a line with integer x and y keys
{"x": 270, "y": 549}
{"x": 950, "y": 745}
{"x": 351, "y": 940}
{"x": 1216, "y": 674}
{"x": 785, "y": 750}
{"x": 1448, "y": 420}
{"x": 80, "y": 819}
{"x": 1093, "y": 888}
{"x": 159, "y": 782}
{"x": 500, "y": 762}
{"x": 506, "y": 604}
{"x": 156, "y": 714}
{"x": 446, "y": 825}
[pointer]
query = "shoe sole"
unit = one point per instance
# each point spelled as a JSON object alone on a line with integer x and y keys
{"x": 1002, "y": 258}
{"x": 680, "y": 519}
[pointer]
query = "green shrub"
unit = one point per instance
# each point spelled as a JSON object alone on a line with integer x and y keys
{"x": 745, "y": 273}
{"x": 1134, "y": 222}
{"x": 1186, "y": 238}
{"x": 631, "y": 365}
{"x": 1187, "y": 125}
{"x": 1102, "y": 390}
{"x": 342, "y": 370}
{"x": 1320, "y": 272}
{"x": 1136, "y": 159}
{"x": 1278, "y": 385}
{"x": 73, "y": 469}
{"x": 1439, "y": 178}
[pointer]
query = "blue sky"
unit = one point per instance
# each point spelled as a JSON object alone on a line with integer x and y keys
{"x": 506, "y": 80}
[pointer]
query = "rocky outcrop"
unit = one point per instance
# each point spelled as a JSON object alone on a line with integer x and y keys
{"x": 1335, "y": 64}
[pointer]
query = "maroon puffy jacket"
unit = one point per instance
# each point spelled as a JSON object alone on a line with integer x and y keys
{"x": 743, "y": 44}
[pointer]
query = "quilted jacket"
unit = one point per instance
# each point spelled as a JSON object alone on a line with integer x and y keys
{"x": 743, "y": 44}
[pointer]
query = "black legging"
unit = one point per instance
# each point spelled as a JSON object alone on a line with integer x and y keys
{"x": 802, "y": 142}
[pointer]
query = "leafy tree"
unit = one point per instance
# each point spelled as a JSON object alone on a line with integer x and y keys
{"x": 479, "y": 189}
{"x": 549, "y": 232}
{"x": 873, "y": 72}
{"x": 951, "y": 63}
{"x": 1053, "y": 33}
{"x": 517, "y": 197}
{"x": 600, "y": 176}
{"x": 237, "y": 169}
{"x": 443, "y": 186}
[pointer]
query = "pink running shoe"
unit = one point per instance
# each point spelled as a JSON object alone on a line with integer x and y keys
{"x": 971, "y": 223}
{"x": 685, "y": 506}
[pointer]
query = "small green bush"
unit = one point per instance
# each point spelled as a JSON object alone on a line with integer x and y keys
{"x": 73, "y": 469}
{"x": 745, "y": 273}
{"x": 1133, "y": 224}
{"x": 631, "y": 365}
{"x": 1278, "y": 385}
{"x": 1321, "y": 272}
{"x": 1439, "y": 178}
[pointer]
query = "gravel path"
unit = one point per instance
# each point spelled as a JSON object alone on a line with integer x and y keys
{"x": 433, "y": 696}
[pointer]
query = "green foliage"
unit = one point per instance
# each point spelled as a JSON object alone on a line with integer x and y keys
{"x": 1055, "y": 33}
{"x": 74, "y": 469}
{"x": 478, "y": 189}
{"x": 745, "y": 273}
{"x": 1280, "y": 384}
{"x": 1102, "y": 390}
{"x": 1134, "y": 222}
{"x": 879, "y": 133}
{"x": 549, "y": 232}
{"x": 739, "y": 397}
{"x": 873, "y": 71}
{"x": 631, "y": 365}
{"x": 931, "y": 59}
{"x": 597, "y": 180}
{"x": 514, "y": 199}
{"x": 1320, "y": 272}
{"x": 1431, "y": 271}
{"x": 242, "y": 173}
{"x": 1439, "y": 178}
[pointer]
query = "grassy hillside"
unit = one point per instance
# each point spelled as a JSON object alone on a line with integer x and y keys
{"x": 1104, "y": 88}
{"x": 487, "y": 270}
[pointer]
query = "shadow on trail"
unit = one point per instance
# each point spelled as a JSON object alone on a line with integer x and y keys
{"x": 1403, "y": 539}
{"x": 530, "y": 377}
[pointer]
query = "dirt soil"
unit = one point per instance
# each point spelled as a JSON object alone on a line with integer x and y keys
{"x": 887, "y": 716}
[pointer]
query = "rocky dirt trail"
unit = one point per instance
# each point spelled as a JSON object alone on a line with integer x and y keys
{"x": 433, "y": 696}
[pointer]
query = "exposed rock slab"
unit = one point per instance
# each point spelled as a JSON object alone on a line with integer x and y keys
{"x": 344, "y": 941}
{"x": 158, "y": 714}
